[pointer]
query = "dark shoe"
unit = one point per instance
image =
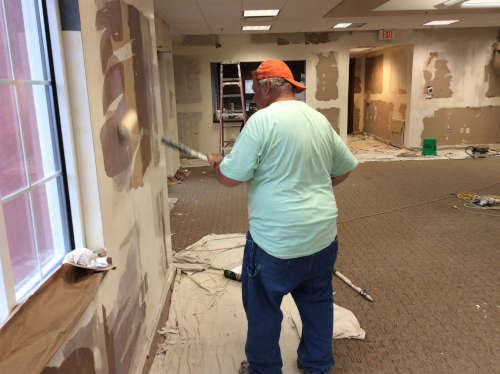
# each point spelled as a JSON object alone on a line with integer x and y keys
{"x": 244, "y": 368}
{"x": 304, "y": 371}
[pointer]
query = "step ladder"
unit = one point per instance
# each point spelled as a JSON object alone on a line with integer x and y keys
{"x": 227, "y": 95}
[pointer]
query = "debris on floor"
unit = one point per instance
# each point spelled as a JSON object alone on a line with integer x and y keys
{"x": 481, "y": 151}
{"x": 206, "y": 328}
{"x": 179, "y": 177}
{"x": 474, "y": 200}
{"x": 171, "y": 203}
{"x": 367, "y": 148}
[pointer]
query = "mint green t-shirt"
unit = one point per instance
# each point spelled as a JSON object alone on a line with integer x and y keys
{"x": 288, "y": 152}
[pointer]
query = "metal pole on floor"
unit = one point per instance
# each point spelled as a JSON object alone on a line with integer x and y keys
{"x": 359, "y": 290}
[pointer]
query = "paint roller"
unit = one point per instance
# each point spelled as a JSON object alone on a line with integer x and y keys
{"x": 128, "y": 129}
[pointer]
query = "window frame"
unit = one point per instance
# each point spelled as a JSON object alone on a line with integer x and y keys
{"x": 50, "y": 20}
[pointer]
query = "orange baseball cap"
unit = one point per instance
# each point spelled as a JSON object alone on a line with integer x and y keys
{"x": 277, "y": 69}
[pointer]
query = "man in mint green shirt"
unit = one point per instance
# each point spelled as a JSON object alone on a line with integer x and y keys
{"x": 291, "y": 157}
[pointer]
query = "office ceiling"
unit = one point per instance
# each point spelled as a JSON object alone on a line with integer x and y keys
{"x": 203, "y": 17}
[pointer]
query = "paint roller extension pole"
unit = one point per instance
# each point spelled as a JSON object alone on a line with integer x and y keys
{"x": 359, "y": 290}
{"x": 184, "y": 149}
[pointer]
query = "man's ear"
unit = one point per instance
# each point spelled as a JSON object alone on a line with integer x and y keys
{"x": 267, "y": 88}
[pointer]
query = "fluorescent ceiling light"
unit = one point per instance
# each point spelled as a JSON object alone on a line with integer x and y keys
{"x": 452, "y": 2}
{"x": 256, "y": 28}
{"x": 481, "y": 4}
{"x": 441, "y": 23}
{"x": 261, "y": 13}
{"x": 342, "y": 25}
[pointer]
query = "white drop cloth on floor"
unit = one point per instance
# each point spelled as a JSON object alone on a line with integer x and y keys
{"x": 206, "y": 329}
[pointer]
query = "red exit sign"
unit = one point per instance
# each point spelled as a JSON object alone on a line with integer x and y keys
{"x": 386, "y": 34}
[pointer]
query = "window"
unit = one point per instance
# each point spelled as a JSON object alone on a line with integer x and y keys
{"x": 32, "y": 177}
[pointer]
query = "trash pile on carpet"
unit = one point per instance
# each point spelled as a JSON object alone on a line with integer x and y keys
{"x": 206, "y": 328}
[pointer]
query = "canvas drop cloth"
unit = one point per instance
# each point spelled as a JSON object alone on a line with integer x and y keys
{"x": 206, "y": 328}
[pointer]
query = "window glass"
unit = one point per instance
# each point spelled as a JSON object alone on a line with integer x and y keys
{"x": 40, "y": 141}
{"x": 5, "y": 69}
{"x": 21, "y": 239}
{"x": 26, "y": 37}
{"x": 51, "y": 223}
{"x": 12, "y": 170}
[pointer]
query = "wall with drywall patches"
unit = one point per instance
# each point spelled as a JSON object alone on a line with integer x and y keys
{"x": 464, "y": 105}
{"x": 471, "y": 81}
{"x": 121, "y": 72}
{"x": 386, "y": 86}
{"x": 327, "y": 64}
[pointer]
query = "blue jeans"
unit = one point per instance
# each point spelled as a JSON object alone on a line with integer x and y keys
{"x": 265, "y": 280}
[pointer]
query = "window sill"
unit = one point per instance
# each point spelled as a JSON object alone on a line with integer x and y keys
{"x": 42, "y": 323}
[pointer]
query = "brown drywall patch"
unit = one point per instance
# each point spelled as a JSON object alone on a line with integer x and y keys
{"x": 398, "y": 72}
{"x": 378, "y": 119}
{"x": 122, "y": 326}
{"x": 140, "y": 34}
{"x": 374, "y": 76}
{"x": 80, "y": 361}
{"x": 128, "y": 87}
{"x": 327, "y": 75}
{"x": 78, "y": 351}
{"x": 332, "y": 115}
{"x": 492, "y": 71}
{"x": 189, "y": 125}
{"x": 113, "y": 86}
{"x": 317, "y": 37}
{"x": 281, "y": 41}
{"x": 356, "y": 118}
{"x": 187, "y": 79}
{"x": 432, "y": 56}
{"x": 464, "y": 125}
{"x": 357, "y": 85}
{"x": 116, "y": 149}
{"x": 438, "y": 76}
{"x": 402, "y": 110}
{"x": 109, "y": 19}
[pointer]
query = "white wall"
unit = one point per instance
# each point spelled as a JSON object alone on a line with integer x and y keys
{"x": 241, "y": 48}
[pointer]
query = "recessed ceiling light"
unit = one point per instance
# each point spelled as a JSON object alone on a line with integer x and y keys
{"x": 256, "y": 28}
{"x": 481, "y": 4}
{"x": 261, "y": 13}
{"x": 441, "y": 23}
{"x": 360, "y": 49}
{"x": 342, "y": 25}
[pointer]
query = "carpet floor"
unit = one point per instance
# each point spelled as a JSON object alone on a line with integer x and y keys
{"x": 431, "y": 264}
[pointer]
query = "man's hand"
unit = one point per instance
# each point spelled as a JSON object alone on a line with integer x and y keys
{"x": 214, "y": 159}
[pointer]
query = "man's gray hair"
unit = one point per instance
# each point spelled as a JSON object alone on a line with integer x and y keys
{"x": 277, "y": 82}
